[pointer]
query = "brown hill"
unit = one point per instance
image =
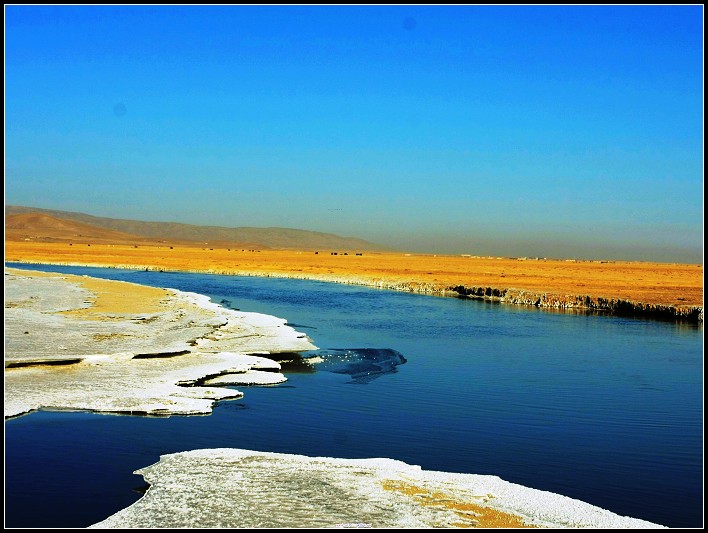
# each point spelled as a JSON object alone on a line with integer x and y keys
{"x": 38, "y": 227}
{"x": 44, "y": 228}
{"x": 214, "y": 236}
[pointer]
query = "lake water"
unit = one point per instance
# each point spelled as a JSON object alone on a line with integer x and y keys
{"x": 604, "y": 409}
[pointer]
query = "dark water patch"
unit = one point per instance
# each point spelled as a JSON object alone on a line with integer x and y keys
{"x": 299, "y": 326}
{"x": 297, "y": 365}
{"x": 142, "y": 489}
{"x": 161, "y": 355}
{"x": 200, "y": 382}
{"x": 25, "y": 364}
{"x": 362, "y": 364}
{"x": 283, "y": 356}
{"x": 228, "y": 304}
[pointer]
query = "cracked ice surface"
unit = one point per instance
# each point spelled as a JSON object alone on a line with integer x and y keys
{"x": 220, "y": 488}
{"x": 34, "y": 305}
{"x": 119, "y": 384}
{"x": 202, "y": 340}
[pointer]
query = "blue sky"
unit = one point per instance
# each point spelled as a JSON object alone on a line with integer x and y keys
{"x": 571, "y": 131}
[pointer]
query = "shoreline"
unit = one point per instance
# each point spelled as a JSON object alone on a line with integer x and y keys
{"x": 546, "y": 300}
{"x": 89, "y": 344}
{"x": 254, "y": 489}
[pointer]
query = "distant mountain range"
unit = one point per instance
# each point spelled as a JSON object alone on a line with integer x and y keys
{"x": 49, "y": 225}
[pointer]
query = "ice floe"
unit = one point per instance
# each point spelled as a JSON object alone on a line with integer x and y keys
{"x": 152, "y": 363}
{"x": 220, "y": 488}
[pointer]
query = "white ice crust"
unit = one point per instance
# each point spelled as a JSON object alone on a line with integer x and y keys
{"x": 147, "y": 364}
{"x": 220, "y": 488}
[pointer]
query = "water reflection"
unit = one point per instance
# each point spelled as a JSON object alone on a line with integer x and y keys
{"x": 362, "y": 364}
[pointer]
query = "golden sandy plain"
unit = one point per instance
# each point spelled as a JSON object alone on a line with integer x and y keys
{"x": 649, "y": 283}
{"x": 111, "y": 298}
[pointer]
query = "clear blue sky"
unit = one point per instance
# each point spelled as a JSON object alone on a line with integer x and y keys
{"x": 540, "y": 131}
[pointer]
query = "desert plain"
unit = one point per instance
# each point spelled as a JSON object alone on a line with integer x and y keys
{"x": 559, "y": 283}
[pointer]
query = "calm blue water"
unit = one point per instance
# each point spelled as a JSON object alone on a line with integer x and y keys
{"x": 607, "y": 410}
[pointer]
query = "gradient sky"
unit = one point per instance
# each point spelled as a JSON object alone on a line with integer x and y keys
{"x": 571, "y": 131}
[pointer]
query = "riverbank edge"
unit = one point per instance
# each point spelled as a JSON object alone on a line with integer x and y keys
{"x": 506, "y": 295}
{"x": 181, "y": 390}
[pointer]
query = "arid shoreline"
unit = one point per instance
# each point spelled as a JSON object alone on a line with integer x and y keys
{"x": 653, "y": 290}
